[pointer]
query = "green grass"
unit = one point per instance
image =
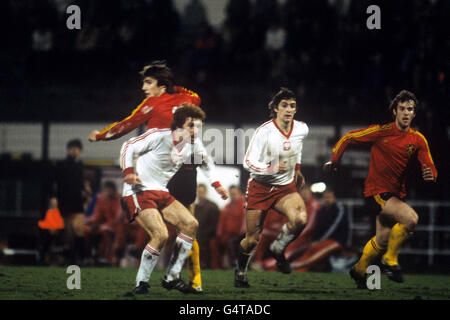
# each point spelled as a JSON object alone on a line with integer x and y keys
{"x": 44, "y": 283}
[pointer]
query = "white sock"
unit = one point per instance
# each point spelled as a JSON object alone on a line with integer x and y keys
{"x": 284, "y": 238}
{"x": 149, "y": 259}
{"x": 183, "y": 245}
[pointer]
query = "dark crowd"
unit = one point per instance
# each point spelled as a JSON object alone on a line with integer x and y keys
{"x": 341, "y": 71}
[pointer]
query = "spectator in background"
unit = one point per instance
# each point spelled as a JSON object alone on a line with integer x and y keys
{"x": 207, "y": 214}
{"x": 230, "y": 230}
{"x": 103, "y": 222}
{"x": 49, "y": 231}
{"x": 70, "y": 193}
{"x": 275, "y": 40}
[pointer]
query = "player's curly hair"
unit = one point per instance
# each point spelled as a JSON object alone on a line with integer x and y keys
{"x": 282, "y": 94}
{"x": 403, "y": 96}
{"x": 186, "y": 110}
{"x": 159, "y": 70}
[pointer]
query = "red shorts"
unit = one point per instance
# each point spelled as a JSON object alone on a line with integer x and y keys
{"x": 150, "y": 199}
{"x": 263, "y": 197}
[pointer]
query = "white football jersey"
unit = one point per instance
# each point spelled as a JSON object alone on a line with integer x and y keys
{"x": 268, "y": 146}
{"x": 158, "y": 159}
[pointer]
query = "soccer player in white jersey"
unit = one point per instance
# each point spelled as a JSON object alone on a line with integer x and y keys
{"x": 160, "y": 153}
{"x": 273, "y": 159}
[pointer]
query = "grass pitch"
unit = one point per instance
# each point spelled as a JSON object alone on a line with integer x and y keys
{"x": 49, "y": 283}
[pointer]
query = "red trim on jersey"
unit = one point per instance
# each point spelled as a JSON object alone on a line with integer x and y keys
{"x": 284, "y": 134}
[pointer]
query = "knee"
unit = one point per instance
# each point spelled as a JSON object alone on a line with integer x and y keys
{"x": 191, "y": 227}
{"x": 412, "y": 221}
{"x": 298, "y": 220}
{"x": 161, "y": 236}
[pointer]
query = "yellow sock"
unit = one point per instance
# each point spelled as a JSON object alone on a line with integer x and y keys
{"x": 370, "y": 252}
{"x": 193, "y": 265}
{"x": 397, "y": 237}
{"x": 193, "y": 260}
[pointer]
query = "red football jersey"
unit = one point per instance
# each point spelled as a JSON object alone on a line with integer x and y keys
{"x": 389, "y": 156}
{"x": 157, "y": 111}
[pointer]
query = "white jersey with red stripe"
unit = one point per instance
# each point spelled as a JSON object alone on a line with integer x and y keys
{"x": 158, "y": 159}
{"x": 268, "y": 146}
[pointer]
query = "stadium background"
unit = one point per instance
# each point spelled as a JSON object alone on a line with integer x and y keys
{"x": 58, "y": 84}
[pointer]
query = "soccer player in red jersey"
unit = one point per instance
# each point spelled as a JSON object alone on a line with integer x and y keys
{"x": 156, "y": 110}
{"x": 393, "y": 146}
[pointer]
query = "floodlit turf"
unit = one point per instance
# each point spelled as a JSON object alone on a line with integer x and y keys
{"x": 44, "y": 283}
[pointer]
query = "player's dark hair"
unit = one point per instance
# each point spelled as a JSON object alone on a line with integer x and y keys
{"x": 403, "y": 96}
{"x": 110, "y": 184}
{"x": 75, "y": 143}
{"x": 159, "y": 70}
{"x": 283, "y": 94}
{"x": 187, "y": 110}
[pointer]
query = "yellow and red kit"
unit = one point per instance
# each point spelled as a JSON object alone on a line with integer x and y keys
{"x": 390, "y": 153}
{"x": 156, "y": 111}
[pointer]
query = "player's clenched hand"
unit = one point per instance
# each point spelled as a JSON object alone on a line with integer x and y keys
{"x": 132, "y": 179}
{"x": 329, "y": 167}
{"x": 222, "y": 192}
{"x": 427, "y": 173}
{"x": 92, "y": 135}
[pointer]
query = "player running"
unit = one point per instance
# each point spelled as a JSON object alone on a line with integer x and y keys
{"x": 393, "y": 146}
{"x": 273, "y": 159}
{"x": 156, "y": 110}
{"x": 160, "y": 153}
